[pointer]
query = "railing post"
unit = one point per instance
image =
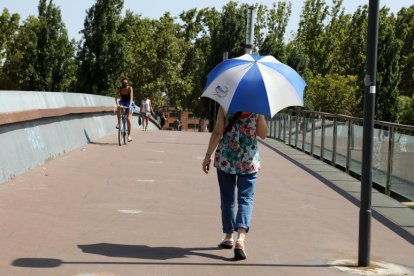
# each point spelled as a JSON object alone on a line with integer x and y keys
{"x": 270, "y": 127}
{"x": 279, "y": 131}
{"x": 275, "y": 124}
{"x": 284, "y": 127}
{"x": 290, "y": 128}
{"x": 312, "y": 133}
{"x": 322, "y": 138}
{"x": 388, "y": 183}
{"x": 296, "y": 129}
{"x": 348, "y": 147}
{"x": 334, "y": 141}
{"x": 304, "y": 131}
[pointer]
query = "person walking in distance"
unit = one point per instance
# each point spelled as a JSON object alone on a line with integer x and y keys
{"x": 146, "y": 110}
{"x": 237, "y": 162}
{"x": 163, "y": 119}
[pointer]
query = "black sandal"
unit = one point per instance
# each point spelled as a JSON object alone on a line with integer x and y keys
{"x": 226, "y": 243}
{"x": 239, "y": 253}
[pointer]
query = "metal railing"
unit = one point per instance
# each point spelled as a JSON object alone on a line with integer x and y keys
{"x": 337, "y": 140}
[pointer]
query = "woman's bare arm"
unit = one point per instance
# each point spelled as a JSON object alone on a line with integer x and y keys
{"x": 214, "y": 138}
{"x": 131, "y": 97}
{"x": 261, "y": 128}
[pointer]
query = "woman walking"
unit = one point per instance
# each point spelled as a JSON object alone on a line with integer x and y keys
{"x": 237, "y": 162}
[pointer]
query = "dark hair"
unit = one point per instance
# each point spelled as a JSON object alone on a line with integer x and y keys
{"x": 233, "y": 120}
{"x": 122, "y": 80}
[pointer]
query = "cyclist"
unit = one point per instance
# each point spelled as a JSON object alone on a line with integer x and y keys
{"x": 125, "y": 94}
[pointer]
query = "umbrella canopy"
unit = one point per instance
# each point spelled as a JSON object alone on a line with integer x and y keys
{"x": 251, "y": 83}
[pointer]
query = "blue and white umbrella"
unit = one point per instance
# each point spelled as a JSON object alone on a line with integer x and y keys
{"x": 259, "y": 84}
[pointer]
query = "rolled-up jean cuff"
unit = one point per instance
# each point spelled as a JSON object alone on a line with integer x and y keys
{"x": 243, "y": 227}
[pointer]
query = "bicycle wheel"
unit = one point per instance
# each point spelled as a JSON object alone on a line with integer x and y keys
{"x": 124, "y": 129}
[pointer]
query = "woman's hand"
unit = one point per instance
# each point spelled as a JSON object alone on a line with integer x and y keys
{"x": 206, "y": 163}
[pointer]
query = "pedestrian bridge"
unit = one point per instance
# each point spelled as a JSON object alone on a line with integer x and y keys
{"x": 91, "y": 207}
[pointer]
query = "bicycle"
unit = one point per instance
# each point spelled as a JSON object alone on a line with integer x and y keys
{"x": 123, "y": 127}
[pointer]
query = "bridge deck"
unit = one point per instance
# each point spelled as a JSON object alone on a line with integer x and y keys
{"x": 148, "y": 209}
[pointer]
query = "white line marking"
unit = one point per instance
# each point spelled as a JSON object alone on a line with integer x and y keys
{"x": 155, "y": 162}
{"x": 133, "y": 212}
{"x": 145, "y": 180}
{"x": 96, "y": 274}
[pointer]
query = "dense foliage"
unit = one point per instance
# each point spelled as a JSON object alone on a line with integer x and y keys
{"x": 168, "y": 58}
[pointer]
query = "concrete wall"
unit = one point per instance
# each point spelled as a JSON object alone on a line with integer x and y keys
{"x": 28, "y": 144}
{"x": 24, "y": 100}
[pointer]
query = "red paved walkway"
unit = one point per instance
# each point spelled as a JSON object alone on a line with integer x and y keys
{"x": 147, "y": 209}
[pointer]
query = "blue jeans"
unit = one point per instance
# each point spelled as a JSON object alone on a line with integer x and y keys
{"x": 245, "y": 192}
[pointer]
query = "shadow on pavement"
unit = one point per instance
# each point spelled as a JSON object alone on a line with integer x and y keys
{"x": 88, "y": 139}
{"x": 149, "y": 253}
{"x": 145, "y": 252}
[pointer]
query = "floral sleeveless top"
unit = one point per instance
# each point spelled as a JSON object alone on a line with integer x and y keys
{"x": 237, "y": 152}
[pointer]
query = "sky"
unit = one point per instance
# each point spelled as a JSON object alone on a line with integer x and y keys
{"x": 74, "y": 11}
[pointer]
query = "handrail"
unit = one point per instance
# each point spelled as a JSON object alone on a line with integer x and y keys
{"x": 347, "y": 117}
{"x": 337, "y": 140}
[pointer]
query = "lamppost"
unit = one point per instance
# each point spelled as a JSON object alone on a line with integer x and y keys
{"x": 364, "y": 245}
{"x": 225, "y": 57}
{"x": 251, "y": 18}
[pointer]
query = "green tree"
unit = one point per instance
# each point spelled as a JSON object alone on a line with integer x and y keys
{"x": 388, "y": 74}
{"x": 230, "y": 34}
{"x": 40, "y": 57}
{"x": 405, "y": 33}
{"x": 297, "y": 58}
{"x": 171, "y": 49}
{"x": 277, "y": 20}
{"x": 260, "y": 30}
{"x": 333, "y": 46}
{"x": 20, "y": 66}
{"x": 9, "y": 25}
{"x": 101, "y": 54}
{"x": 331, "y": 93}
{"x": 233, "y": 28}
{"x": 139, "y": 52}
{"x": 311, "y": 30}
{"x": 55, "y": 64}
{"x": 353, "y": 53}
{"x": 406, "y": 111}
{"x": 196, "y": 35}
